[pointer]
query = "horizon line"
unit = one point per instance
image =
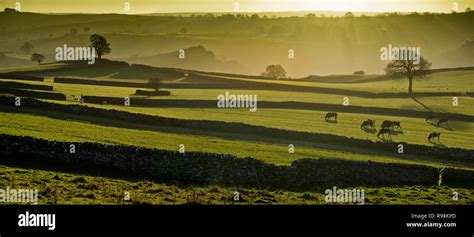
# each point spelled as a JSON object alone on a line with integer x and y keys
{"x": 240, "y": 12}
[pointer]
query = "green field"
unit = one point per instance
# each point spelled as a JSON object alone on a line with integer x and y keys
{"x": 61, "y": 126}
{"x": 77, "y": 129}
{"x": 65, "y": 188}
{"x": 460, "y": 80}
{"x": 451, "y": 81}
{"x": 415, "y": 130}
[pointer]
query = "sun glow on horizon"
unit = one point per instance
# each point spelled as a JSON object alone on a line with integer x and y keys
{"x": 174, "y": 6}
{"x": 357, "y": 5}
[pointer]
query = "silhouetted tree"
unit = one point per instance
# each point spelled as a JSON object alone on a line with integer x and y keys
{"x": 38, "y": 58}
{"x": 27, "y": 48}
{"x": 154, "y": 83}
{"x": 359, "y": 73}
{"x": 73, "y": 31}
{"x": 275, "y": 71}
{"x": 183, "y": 31}
{"x": 100, "y": 44}
{"x": 86, "y": 29}
{"x": 408, "y": 69}
{"x": 349, "y": 14}
{"x": 10, "y": 10}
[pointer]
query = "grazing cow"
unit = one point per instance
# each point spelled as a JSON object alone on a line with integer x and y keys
{"x": 396, "y": 124}
{"x": 387, "y": 124}
{"x": 384, "y": 131}
{"x": 442, "y": 121}
{"x": 430, "y": 118}
{"x": 368, "y": 123}
{"x": 331, "y": 116}
{"x": 434, "y": 135}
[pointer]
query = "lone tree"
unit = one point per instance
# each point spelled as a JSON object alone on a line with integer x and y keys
{"x": 154, "y": 83}
{"x": 27, "y": 48}
{"x": 275, "y": 71}
{"x": 183, "y": 31}
{"x": 38, "y": 58}
{"x": 100, "y": 44}
{"x": 407, "y": 68}
{"x": 349, "y": 14}
{"x": 10, "y": 10}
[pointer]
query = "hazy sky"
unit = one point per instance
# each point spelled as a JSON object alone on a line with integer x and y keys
{"x": 157, "y": 6}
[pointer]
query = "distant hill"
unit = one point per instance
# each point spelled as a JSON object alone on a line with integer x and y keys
{"x": 322, "y": 45}
{"x": 104, "y": 69}
{"x": 195, "y": 58}
{"x": 462, "y": 56}
{"x": 7, "y": 60}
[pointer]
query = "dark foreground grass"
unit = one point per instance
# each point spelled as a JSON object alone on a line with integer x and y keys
{"x": 63, "y": 188}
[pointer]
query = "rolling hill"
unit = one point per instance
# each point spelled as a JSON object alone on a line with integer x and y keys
{"x": 194, "y": 58}
{"x": 322, "y": 45}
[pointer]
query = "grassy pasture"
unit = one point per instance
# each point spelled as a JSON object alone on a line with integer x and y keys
{"x": 150, "y": 38}
{"x": 415, "y": 130}
{"x": 451, "y": 81}
{"x": 104, "y": 70}
{"x": 34, "y": 68}
{"x": 429, "y": 104}
{"x": 54, "y": 126}
{"x": 64, "y": 188}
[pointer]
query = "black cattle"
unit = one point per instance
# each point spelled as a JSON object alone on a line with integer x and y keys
{"x": 331, "y": 116}
{"x": 387, "y": 124}
{"x": 434, "y": 135}
{"x": 396, "y": 124}
{"x": 368, "y": 123}
{"x": 384, "y": 131}
{"x": 442, "y": 121}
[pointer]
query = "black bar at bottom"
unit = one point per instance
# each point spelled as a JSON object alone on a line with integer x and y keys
{"x": 336, "y": 218}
